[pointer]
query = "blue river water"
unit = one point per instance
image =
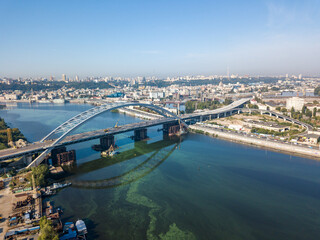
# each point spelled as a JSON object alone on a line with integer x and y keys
{"x": 194, "y": 187}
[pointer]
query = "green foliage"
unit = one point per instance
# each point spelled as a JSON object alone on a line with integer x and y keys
{"x": 40, "y": 174}
{"x": 198, "y": 131}
{"x": 227, "y": 101}
{"x": 254, "y": 106}
{"x": 191, "y": 106}
{"x": 271, "y": 132}
{"x": 317, "y": 91}
{"x": 304, "y": 109}
{"x": 46, "y": 230}
{"x": 16, "y": 134}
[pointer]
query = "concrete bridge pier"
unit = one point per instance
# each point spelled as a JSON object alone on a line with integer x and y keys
{"x": 225, "y": 114}
{"x": 171, "y": 128}
{"x": 106, "y": 142}
{"x": 140, "y": 134}
{"x": 55, "y": 152}
{"x": 27, "y": 159}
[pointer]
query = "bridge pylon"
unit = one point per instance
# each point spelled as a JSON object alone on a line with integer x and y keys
{"x": 140, "y": 134}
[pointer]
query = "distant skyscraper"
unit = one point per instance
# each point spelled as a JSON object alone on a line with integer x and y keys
{"x": 228, "y": 73}
{"x": 300, "y": 76}
{"x": 64, "y": 77}
{"x": 77, "y": 78}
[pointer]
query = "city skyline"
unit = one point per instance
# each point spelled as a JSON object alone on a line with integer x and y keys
{"x": 159, "y": 39}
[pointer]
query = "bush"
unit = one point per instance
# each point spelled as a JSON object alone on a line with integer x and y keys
{"x": 40, "y": 174}
{"x": 46, "y": 230}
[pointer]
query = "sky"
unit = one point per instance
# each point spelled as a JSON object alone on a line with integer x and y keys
{"x": 159, "y": 38}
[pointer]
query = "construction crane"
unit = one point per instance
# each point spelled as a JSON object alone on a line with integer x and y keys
{"x": 116, "y": 126}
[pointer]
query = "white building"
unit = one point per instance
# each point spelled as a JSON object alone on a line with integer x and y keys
{"x": 295, "y": 102}
{"x": 156, "y": 95}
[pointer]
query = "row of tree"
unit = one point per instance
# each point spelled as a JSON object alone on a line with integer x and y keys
{"x": 191, "y": 106}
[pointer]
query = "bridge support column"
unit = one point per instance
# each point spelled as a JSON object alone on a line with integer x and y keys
{"x": 210, "y": 117}
{"x": 171, "y": 128}
{"x": 55, "y": 152}
{"x": 27, "y": 159}
{"x": 270, "y": 114}
{"x": 218, "y": 115}
{"x": 106, "y": 142}
{"x": 140, "y": 134}
{"x": 225, "y": 114}
{"x": 238, "y": 111}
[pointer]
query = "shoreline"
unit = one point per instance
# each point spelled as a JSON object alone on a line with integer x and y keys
{"x": 255, "y": 142}
{"x": 264, "y": 144}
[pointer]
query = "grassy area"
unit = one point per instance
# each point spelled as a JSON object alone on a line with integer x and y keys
{"x": 191, "y": 106}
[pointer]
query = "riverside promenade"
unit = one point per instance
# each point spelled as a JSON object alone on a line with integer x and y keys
{"x": 300, "y": 150}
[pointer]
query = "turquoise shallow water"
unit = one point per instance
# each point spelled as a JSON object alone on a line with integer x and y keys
{"x": 195, "y": 187}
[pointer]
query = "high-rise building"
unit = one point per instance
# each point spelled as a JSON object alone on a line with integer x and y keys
{"x": 64, "y": 77}
{"x": 77, "y": 78}
{"x": 300, "y": 76}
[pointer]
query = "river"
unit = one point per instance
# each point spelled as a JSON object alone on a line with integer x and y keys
{"x": 194, "y": 187}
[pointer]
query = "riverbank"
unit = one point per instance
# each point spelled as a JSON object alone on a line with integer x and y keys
{"x": 264, "y": 143}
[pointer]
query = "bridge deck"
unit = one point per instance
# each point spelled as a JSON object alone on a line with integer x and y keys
{"x": 81, "y": 137}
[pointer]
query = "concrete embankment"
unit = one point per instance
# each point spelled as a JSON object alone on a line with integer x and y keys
{"x": 283, "y": 147}
{"x": 139, "y": 114}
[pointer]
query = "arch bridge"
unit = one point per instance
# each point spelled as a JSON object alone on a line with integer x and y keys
{"x": 73, "y": 123}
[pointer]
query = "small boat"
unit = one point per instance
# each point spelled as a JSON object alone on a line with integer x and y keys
{"x": 81, "y": 227}
{"x": 60, "y": 185}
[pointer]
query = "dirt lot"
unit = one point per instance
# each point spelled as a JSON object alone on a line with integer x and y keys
{"x": 6, "y": 198}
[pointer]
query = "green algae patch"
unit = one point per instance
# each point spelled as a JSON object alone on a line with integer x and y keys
{"x": 174, "y": 232}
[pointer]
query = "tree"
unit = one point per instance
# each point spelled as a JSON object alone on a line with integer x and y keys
{"x": 278, "y": 109}
{"x": 317, "y": 91}
{"x": 308, "y": 113}
{"x": 292, "y": 111}
{"x": 314, "y": 112}
{"x": 46, "y": 230}
{"x": 304, "y": 109}
{"x": 40, "y": 172}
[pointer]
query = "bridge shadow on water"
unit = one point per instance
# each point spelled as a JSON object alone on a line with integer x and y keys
{"x": 160, "y": 151}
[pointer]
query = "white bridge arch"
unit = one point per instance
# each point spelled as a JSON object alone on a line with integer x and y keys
{"x": 76, "y": 121}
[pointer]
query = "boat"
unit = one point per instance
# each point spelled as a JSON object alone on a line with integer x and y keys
{"x": 110, "y": 152}
{"x": 60, "y": 185}
{"x": 59, "y": 101}
{"x": 81, "y": 227}
{"x": 69, "y": 231}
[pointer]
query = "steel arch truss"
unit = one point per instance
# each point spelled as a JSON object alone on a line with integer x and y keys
{"x": 76, "y": 121}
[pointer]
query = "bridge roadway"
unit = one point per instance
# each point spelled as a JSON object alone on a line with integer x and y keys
{"x": 37, "y": 147}
{"x": 81, "y": 137}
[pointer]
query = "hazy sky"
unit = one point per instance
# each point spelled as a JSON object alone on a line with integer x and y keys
{"x": 159, "y": 37}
